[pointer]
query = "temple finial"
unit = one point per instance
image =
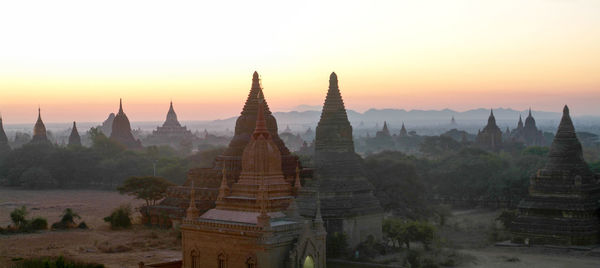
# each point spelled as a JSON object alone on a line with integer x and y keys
{"x": 566, "y": 110}
{"x": 192, "y": 211}
{"x": 120, "y": 105}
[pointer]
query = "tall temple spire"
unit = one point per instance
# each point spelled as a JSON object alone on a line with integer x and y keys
{"x": 74, "y": 138}
{"x": 385, "y": 127}
{"x": 565, "y": 151}
{"x": 403, "y": 132}
{"x": 334, "y": 132}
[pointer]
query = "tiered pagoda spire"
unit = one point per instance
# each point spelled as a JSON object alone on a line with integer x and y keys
{"x": 244, "y": 127}
{"x": 171, "y": 118}
{"x": 562, "y": 205}
{"x": 74, "y": 138}
{"x": 261, "y": 188}
{"x": 334, "y": 132}
{"x": 339, "y": 175}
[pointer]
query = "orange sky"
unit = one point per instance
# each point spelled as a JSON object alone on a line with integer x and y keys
{"x": 77, "y": 59}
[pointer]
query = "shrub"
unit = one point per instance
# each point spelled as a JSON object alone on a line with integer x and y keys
{"x": 59, "y": 262}
{"x": 38, "y": 223}
{"x": 120, "y": 217}
{"x": 82, "y": 225}
{"x": 67, "y": 220}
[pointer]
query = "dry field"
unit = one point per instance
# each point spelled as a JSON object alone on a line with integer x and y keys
{"x": 124, "y": 248}
{"x": 467, "y": 232}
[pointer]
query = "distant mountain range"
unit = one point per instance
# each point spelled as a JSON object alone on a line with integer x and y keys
{"x": 396, "y": 117}
{"x": 308, "y": 116}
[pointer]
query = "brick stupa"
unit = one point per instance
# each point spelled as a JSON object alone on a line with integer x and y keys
{"x": 346, "y": 196}
{"x": 562, "y": 205}
{"x": 255, "y": 222}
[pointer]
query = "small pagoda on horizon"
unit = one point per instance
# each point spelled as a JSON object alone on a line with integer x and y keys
{"x": 171, "y": 132}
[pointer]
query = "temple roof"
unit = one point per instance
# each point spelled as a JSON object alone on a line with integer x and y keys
{"x": 171, "y": 120}
{"x": 529, "y": 121}
{"x": 74, "y": 138}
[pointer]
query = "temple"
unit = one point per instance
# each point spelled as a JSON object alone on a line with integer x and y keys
{"x": 491, "y": 136}
{"x": 562, "y": 205}
{"x": 4, "y": 146}
{"x": 207, "y": 181}
{"x": 255, "y": 222}
{"x": 171, "y": 132}
{"x": 384, "y": 132}
{"x": 528, "y": 134}
{"x": 74, "y": 138}
{"x": 346, "y": 196}
{"x": 403, "y": 132}
{"x": 121, "y": 130}
{"x": 39, "y": 131}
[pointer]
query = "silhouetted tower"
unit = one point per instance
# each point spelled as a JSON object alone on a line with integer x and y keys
{"x": 121, "y": 130}
{"x": 74, "y": 138}
{"x": 39, "y": 131}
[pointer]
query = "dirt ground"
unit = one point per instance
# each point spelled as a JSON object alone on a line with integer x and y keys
{"x": 100, "y": 244}
{"x": 469, "y": 233}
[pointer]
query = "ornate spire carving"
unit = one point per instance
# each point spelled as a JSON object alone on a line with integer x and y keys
{"x": 192, "y": 211}
{"x": 223, "y": 189}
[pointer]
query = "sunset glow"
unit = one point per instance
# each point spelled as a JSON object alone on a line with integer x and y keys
{"x": 76, "y": 58}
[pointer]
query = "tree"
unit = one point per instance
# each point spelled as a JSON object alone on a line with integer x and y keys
{"x": 404, "y": 232}
{"x": 147, "y": 188}
{"x": 18, "y": 216}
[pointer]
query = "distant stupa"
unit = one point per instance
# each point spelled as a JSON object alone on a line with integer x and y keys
{"x": 39, "y": 131}
{"x": 121, "y": 130}
{"x": 491, "y": 136}
{"x": 74, "y": 138}
{"x": 171, "y": 132}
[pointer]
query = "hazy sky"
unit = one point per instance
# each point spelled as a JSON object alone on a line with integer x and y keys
{"x": 77, "y": 58}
